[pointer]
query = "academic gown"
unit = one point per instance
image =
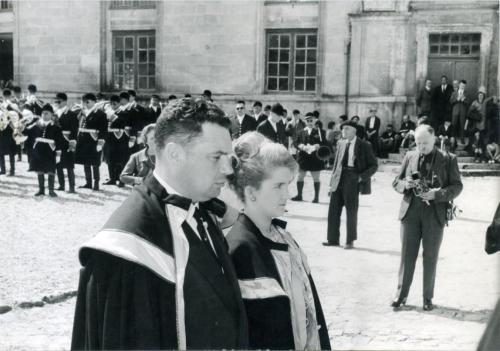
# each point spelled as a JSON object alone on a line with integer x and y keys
{"x": 69, "y": 126}
{"x": 127, "y": 304}
{"x": 267, "y": 306}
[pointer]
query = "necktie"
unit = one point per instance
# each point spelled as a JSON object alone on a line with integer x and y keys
{"x": 345, "y": 159}
{"x": 443, "y": 88}
{"x": 201, "y": 223}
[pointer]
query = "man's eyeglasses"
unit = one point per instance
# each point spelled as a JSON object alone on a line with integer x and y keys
{"x": 239, "y": 108}
{"x": 57, "y": 102}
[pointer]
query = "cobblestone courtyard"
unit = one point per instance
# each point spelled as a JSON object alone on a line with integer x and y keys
{"x": 39, "y": 240}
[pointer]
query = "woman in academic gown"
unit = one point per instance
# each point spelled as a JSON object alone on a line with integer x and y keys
{"x": 281, "y": 301}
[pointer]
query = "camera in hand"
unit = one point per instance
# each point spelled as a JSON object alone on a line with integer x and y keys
{"x": 421, "y": 184}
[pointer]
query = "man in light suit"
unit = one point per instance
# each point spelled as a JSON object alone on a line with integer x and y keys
{"x": 352, "y": 169}
{"x": 423, "y": 210}
{"x": 241, "y": 122}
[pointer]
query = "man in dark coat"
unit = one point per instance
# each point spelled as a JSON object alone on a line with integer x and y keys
{"x": 273, "y": 128}
{"x": 158, "y": 275}
{"x": 360, "y": 130}
{"x": 47, "y": 142}
{"x": 352, "y": 170}
{"x": 441, "y": 108}
{"x": 117, "y": 144}
{"x": 308, "y": 141}
{"x": 68, "y": 121}
{"x": 90, "y": 141}
{"x": 241, "y": 122}
{"x": 154, "y": 109}
{"x": 459, "y": 107}
{"x": 372, "y": 127}
{"x": 429, "y": 179}
{"x": 424, "y": 101}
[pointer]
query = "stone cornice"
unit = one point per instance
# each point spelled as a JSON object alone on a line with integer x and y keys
{"x": 453, "y": 5}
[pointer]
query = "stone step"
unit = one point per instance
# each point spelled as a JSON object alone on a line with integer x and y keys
{"x": 474, "y": 166}
{"x": 480, "y": 172}
{"x": 461, "y": 159}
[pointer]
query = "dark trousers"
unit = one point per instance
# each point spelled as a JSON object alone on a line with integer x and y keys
{"x": 89, "y": 170}
{"x": 71, "y": 176}
{"x": 12, "y": 161}
{"x": 115, "y": 170}
{"x": 347, "y": 194}
{"x": 419, "y": 224}
{"x": 374, "y": 140}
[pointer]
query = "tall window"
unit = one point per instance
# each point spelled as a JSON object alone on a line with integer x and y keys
{"x": 291, "y": 64}
{"x": 454, "y": 44}
{"x": 134, "y": 56}
{"x": 5, "y": 5}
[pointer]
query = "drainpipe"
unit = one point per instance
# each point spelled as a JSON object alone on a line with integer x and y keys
{"x": 347, "y": 53}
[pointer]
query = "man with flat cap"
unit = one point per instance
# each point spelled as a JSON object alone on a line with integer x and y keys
{"x": 423, "y": 209}
{"x": 273, "y": 128}
{"x": 353, "y": 167}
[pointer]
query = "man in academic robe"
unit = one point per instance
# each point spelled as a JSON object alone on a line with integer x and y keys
{"x": 241, "y": 122}
{"x": 273, "y": 128}
{"x": 353, "y": 168}
{"x": 158, "y": 275}
{"x": 68, "y": 121}
{"x": 90, "y": 141}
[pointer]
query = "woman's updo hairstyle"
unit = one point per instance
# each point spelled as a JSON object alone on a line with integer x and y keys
{"x": 258, "y": 157}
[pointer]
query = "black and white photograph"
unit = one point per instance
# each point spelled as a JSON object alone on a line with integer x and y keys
{"x": 250, "y": 175}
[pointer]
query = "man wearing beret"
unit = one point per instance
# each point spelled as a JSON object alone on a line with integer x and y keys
{"x": 352, "y": 169}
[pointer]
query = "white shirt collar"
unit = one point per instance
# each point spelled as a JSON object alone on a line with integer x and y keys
{"x": 172, "y": 191}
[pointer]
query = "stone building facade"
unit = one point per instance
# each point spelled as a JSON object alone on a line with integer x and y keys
{"x": 334, "y": 56}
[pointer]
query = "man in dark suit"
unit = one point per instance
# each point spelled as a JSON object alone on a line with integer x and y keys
{"x": 459, "y": 107}
{"x": 352, "y": 170}
{"x": 423, "y": 209}
{"x": 372, "y": 127}
{"x": 154, "y": 109}
{"x": 360, "y": 130}
{"x": 441, "y": 108}
{"x": 241, "y": 122}
{"x": 258, "y": 114}
{"x": 273, "y": 128}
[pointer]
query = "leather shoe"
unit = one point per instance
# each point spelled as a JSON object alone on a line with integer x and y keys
{"x": 348, "y": 246}
{"x": 109, "y": 182}
{"x": 428, "y": 306}
{"x": 327, "y": 243}
{"x": 397, "y": 303}
{"x": 85, "y": 186}
{"x": 296, "y": 198}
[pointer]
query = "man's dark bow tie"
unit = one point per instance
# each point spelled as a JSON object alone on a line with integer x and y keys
{"x": 215, "y": 206}
{"x": 179, "y": 201}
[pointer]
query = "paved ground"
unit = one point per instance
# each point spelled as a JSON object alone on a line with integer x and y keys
{"x": 40, "y": 237}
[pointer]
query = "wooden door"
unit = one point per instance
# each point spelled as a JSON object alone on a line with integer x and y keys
{"x": 6, "y": 57}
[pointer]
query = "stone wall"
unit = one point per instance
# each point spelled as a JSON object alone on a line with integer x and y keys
{"x": 58, "y": 44}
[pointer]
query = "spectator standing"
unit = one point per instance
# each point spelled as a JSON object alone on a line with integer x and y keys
{"x": 459, "y": 107}
{"x": 441, "y": 108}
{"x": 372, "y": 126}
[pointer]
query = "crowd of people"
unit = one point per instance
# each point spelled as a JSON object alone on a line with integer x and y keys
{"x": 160, "y": 273}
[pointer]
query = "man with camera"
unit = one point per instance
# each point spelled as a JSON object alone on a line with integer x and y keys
{"x": 430, "y": 180}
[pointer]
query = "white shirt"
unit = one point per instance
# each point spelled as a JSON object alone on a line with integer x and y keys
{"x": 350, "y": 160}
{"x": 273, "y": 124}
{"x": 309, "y": 130}
{"x": 240, "y": 119}
{"x": 180, "y": 212}
{"x": 372, "y": 122}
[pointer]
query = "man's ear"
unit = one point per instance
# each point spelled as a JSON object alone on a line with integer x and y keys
{"x": 174, "y": 153}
